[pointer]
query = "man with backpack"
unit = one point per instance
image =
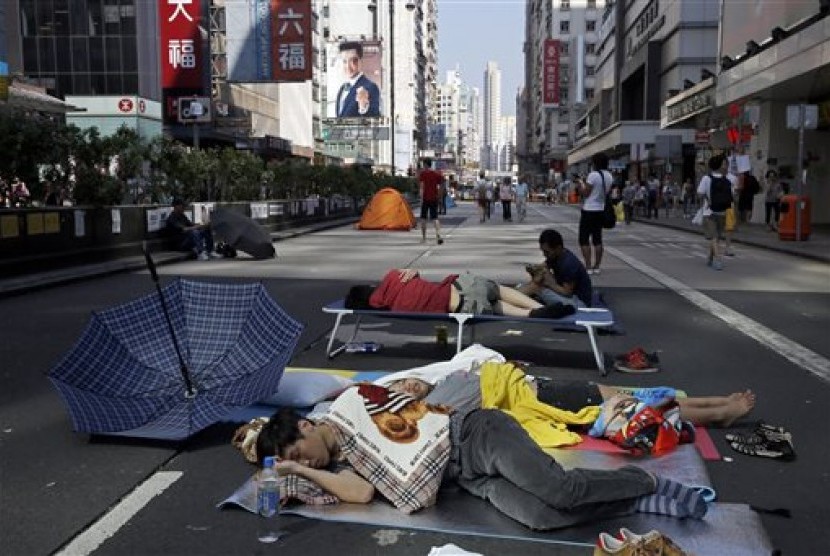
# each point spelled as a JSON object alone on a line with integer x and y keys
{"x": 717, "y": 189}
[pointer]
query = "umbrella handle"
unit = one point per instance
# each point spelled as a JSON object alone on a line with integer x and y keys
{"x": 151, "y": 266}
{"x": 191, "y": 392}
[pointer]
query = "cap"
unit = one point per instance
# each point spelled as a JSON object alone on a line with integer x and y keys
{"x": 269, "y": 461}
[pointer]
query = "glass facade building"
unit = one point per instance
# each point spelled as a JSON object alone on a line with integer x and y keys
{"x": 91, "y": 47}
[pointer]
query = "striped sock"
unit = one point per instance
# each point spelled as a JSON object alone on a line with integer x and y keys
{"x": 690, "y": 500}
{"x": 662, "y": 505}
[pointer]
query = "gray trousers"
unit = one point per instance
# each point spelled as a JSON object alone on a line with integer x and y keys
{"x": 500, "y": 463}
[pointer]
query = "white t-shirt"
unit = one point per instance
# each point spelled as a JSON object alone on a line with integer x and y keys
{"x": 596, "y": 198}
{"x": 706, "y": 183}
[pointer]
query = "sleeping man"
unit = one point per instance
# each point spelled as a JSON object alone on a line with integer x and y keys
{"x": 404, "y": 290}
{"x": 492, "y": 457}
{"x": 573, "y": 396}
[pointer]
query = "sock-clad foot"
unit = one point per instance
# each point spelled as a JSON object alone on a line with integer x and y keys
{"x": 687, "y": 498}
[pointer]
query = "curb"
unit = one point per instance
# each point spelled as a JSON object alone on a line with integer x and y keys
{"x": 42, "y": 280}
{"x": 738, "y": 239}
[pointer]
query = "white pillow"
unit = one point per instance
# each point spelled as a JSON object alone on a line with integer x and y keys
{"x": 304, "y": 389}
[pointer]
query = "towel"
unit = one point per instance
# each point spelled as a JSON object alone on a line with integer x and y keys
{"x": 398, "y": 443}
{"x": 469, "y": 359}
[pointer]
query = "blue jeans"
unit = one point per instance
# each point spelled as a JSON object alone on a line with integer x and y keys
{"x": 198, "y": 240}
{"x": 549, "y": 297}
{"x": 501, "y": 464}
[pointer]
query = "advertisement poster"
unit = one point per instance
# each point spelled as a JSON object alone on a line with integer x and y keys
{"x": 259, "y": 211}
{"x": 116, "y": 220}
{"x": 353, "y": 79}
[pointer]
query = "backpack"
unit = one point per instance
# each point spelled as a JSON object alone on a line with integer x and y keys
{"x": 720, "y": 193}
{"x": 609, "y": 217}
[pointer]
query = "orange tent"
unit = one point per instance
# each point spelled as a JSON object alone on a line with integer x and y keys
{"x": 388, "y": 210}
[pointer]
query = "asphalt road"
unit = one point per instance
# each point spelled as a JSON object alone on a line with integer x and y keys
{"x": 762, "y": 323}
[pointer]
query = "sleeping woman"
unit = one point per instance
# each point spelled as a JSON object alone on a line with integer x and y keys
{"x": 403, "y": 290}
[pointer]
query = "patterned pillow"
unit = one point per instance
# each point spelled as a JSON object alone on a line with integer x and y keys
{"x": 398, "y": 444}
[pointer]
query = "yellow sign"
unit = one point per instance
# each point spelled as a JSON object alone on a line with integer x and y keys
{"x": 9, "y": 226}
{"x": 34, "y": 223}
{"x": 51, "y": 223}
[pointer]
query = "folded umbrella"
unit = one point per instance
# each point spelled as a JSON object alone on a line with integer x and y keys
{"x": 242, "y": 233}
{"x": 167, "y": 367}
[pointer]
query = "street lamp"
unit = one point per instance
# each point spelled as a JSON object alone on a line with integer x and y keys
{"x": 373, "y": 6}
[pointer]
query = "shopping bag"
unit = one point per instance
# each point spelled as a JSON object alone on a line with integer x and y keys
{"x": 730, "y": 220}
{"x": 619, "y": 210}
{"x": 697, "y": 219}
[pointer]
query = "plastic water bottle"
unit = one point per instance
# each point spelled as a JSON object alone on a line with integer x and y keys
{"x": 268, "y": 501}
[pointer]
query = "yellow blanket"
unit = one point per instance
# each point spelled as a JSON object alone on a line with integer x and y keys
{"x": 503, "y": 386}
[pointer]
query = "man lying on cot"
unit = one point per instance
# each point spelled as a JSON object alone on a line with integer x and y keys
{"x": 464, "y": 388}
{"x": 493, "y": 458}
{"x": 405, "y": 291}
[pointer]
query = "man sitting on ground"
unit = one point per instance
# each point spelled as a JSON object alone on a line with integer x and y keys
{"x": 562, "y": 278}
{"x": 188, "y": 236}
{"x": 493, "y": 458}
{"x": 404, "y": 290}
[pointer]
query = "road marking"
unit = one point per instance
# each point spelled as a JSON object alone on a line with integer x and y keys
{"x": 795, "y": 352}
{"x": 120, "y": 514}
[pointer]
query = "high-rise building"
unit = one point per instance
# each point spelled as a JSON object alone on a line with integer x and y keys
{"x": 491, "y": 114}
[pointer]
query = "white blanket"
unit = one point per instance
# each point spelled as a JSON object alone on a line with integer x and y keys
{"x": 469, "y": 360}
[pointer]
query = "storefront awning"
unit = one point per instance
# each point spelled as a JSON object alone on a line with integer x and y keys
{"x": 624, "y": 133}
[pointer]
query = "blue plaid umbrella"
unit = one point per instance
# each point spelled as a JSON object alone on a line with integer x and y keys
{"x": 124, "y": 376}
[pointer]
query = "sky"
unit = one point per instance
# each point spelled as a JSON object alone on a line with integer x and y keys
{"x": 473, "y": 32}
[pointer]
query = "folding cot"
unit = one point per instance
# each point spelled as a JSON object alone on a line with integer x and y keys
{"x": 590, "y": 319}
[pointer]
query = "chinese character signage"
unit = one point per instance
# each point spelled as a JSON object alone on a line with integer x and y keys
{"x": 181, "y": 45}
{"x": 269, "y": 40}
{"x": 550, "y": 73}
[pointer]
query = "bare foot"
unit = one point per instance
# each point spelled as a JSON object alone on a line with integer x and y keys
{"x": 740, "y": 403}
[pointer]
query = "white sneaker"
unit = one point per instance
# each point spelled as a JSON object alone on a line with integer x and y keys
{"x": 214, "y": 255}
{"x": 203, "y": 256}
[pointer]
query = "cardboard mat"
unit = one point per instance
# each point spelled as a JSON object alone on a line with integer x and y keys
{"x": 727, "y": 529}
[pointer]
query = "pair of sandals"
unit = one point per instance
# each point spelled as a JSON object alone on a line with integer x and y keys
{"x": 766, "y": 441}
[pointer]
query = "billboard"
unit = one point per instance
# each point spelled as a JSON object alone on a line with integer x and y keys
{"x": 268, "y": 40}
{"x": 353, "y": 79}
{"x": 181, "y": 44}
{"x": 550, "y": 72}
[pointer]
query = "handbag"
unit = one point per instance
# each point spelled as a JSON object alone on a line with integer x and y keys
{"x": 609, "y": 216}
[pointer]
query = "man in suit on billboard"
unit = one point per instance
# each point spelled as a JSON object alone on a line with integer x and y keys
{"x": 358, "y": 97}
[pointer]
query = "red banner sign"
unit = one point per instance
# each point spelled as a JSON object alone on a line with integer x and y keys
{"x": 181, "y": 44}
{"x": 291, "y": 32}
{"x": 550, "y": 72}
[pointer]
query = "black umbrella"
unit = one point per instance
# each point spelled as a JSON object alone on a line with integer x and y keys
{"x": 242, "y": 233}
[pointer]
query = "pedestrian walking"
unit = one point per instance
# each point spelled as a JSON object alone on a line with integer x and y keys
{"x": 653, "y": 187}
{"x": 506, "y": 198}
{"x": 430, "y": 182}
{"x": 629, "y": 193}
{"x": 594, "y": 191}
{"x": 772, "y": 200}
{"x": 717, "y": 189}
{"x": 481, "y": 197}
{"x": 521, "y": 192}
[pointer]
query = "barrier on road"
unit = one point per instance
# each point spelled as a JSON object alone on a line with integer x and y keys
{"x": 47, "y": 238}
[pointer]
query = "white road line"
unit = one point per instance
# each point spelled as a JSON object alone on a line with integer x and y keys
{"x": 120, "y": 514}
{"x": 795, "y": 352}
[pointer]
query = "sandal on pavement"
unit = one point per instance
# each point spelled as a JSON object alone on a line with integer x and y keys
{"x": 775, "y": 450}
